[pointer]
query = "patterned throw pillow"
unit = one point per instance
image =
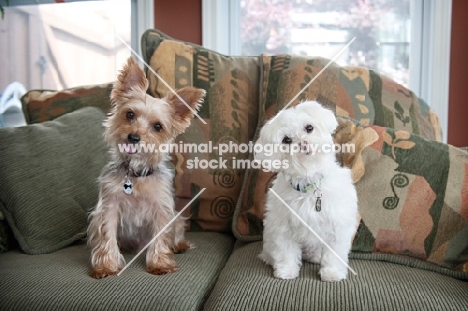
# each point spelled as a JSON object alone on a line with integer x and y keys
{"x": 230, "y": 111}
{"x": 43, "y": 105}
{"x": 413, "y": 199}
{"x": 355, "y": 92}
{"x": 352, "y": 92}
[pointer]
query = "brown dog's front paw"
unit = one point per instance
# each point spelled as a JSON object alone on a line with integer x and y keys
{"x": 181, "y": 247}
{"x": 99, "y": 273}
{"x": 162, "y": 269}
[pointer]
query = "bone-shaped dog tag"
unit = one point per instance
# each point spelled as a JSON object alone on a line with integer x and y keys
{"x": 128, "y": 187}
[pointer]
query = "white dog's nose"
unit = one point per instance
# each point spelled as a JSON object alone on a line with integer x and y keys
{"x": 304, "y": 146}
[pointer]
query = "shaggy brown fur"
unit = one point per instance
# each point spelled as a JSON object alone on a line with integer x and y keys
{"x": 122, "y": 220}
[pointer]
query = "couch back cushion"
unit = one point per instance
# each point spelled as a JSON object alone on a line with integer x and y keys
{"x": 45, "y": 105}
{"x": 413, "y": 198}
{"x": 355, "y": 92}
{"x": 230, "y": 110}
{"x": 49, "y": 177}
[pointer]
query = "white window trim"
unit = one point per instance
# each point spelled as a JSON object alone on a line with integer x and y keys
{"x": 221, "y": 26}
{"x": 429, "y": 63}
{"x": 142, "y": 19}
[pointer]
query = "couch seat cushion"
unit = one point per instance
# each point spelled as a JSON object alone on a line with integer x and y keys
{"x": 59, "y": 281}
{"x": 246, "y": 283}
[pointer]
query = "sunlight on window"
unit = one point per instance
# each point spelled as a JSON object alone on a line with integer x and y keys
{"x": 57, "y": 46}
{"x": 323, "y": 27}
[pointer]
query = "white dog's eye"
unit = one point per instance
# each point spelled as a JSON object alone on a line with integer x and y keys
{"x": 309, "y": 128}
{"x": 287, "y": 140}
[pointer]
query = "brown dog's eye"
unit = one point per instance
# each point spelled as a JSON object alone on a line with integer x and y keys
{"x": 158, "y": 127}
{"x": 130, "y": 115}
{"x": 309, "y": 128}
{"x": 287, "y": 140}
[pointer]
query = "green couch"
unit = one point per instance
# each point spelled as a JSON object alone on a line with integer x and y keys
{"x": 410, "y": 256}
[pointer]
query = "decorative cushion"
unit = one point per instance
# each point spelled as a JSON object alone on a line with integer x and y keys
{"x": 45, "y": 105}
{"x": 355, "y": 92}
{"x": 230, "y": 111}
{"x": 413, "y": 199}
{"x": 412, "y": 192}
{"x": 49, "y": 177}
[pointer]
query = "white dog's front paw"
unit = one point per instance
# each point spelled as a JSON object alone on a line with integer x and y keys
{"x": 286, "y": 272}
{"x": 332, "y": 274}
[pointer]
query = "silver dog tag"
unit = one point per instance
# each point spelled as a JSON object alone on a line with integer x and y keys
{"x": 318, "y": 200}
{"x": 318, "y": 204}
{"x": 128, "y": 187}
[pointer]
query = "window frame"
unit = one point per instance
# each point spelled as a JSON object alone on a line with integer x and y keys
{"x": 429, "y": 59}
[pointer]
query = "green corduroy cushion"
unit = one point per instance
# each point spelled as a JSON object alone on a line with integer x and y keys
{"x": 59, "y": 281}
{"x": 49, "y": 177}
{"x": 246, "y": 283}
{"x": 4, "y": 235}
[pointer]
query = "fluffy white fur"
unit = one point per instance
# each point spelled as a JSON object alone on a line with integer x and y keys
{"x": 286, "y": 241}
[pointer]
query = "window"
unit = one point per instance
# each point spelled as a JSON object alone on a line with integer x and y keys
{"x": 46, "y": 45}
{"x": 323, "y": 27}
{"x": 407, "y": 40}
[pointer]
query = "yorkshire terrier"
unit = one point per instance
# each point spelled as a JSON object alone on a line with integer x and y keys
{"x": 136, "y": 197}
{"x": 315, "y": 187}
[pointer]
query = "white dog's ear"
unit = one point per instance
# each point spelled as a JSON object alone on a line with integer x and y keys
{"x": 324, "y": 117}
{"x": 329, "y": 121}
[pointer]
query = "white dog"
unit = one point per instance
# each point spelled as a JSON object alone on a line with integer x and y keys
{"x": 315, "y": 186}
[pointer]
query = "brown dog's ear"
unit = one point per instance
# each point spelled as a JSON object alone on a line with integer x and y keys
{"x": 185, "y": 98}
{"x": 130, "y": 77}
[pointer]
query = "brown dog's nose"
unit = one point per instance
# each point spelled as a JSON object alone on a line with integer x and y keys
{"x": 133, "y": 138}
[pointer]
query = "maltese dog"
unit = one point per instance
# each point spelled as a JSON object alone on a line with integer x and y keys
{"x": 319, "y": 192}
